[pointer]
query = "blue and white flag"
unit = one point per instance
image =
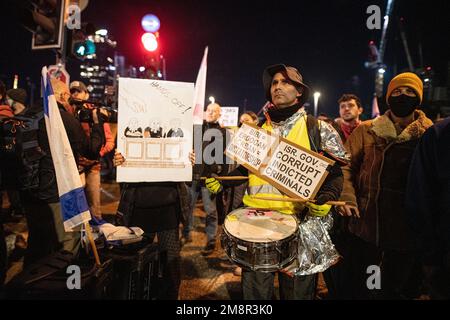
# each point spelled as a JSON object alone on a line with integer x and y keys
{"x": 74, "y": 207}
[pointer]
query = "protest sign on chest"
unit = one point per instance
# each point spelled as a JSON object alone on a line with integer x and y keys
{"x": 291, "y": 168}
{"x": 250, "y": 146}
{"x": 295, "y": 170}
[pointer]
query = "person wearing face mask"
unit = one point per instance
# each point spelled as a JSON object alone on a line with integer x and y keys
{"x": 374, "y": 189}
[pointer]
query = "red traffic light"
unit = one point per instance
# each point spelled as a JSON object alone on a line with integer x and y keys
{"x": 149, "y": 41}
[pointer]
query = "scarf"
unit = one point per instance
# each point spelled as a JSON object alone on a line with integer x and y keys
{"x": 278, "y": 115}
{"x": 348, "y": 128}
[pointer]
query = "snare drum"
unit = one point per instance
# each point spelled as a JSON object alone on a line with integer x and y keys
{"x": 260, "y": 240}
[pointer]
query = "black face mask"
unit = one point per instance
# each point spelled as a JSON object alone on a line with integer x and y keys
{"x": 403, "y": 105}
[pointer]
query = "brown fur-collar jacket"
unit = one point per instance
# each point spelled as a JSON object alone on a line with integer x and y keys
{"x": 376, "y": 178}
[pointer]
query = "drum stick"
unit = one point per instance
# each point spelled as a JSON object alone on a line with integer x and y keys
{"x": 333, "y": 203}
{"x": 227, "y": 178}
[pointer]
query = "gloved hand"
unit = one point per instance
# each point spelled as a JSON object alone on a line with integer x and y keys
{"x": 318, "y": 210}
{"x": 213, "y": 185}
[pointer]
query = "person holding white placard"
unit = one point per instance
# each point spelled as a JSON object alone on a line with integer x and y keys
{"x": 156, "y": 207}
{"x": 213, "y": 163}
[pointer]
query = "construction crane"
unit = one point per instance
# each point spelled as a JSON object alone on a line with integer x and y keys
{"x": 405, "y": 44}
{"x": 381, "y": 67}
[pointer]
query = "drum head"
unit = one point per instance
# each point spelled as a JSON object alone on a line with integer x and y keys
{"x": 257, "y": 225}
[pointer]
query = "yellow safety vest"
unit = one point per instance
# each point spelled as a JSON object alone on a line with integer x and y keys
{"x": 259, "y": 187}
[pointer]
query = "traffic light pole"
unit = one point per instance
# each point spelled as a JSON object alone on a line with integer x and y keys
{"x": 164, "y": 67}
{"x": 61, "y": 54}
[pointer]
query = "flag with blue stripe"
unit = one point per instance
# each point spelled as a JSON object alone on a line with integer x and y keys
{"x": 74, "y": 207}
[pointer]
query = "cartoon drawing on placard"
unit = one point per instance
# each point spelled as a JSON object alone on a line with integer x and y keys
{"x": 154, "y": 130}
{"x": 133, "y": 130}
{"x": 175, "y": 130}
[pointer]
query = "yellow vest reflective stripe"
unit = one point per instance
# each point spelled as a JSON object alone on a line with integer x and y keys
{"x": 259, "y": 187}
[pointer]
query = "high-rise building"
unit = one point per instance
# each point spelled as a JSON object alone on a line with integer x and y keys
{"x": 98, "y": 70}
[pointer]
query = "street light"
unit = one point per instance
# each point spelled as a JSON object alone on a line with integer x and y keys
{"x": 212, "y": 99}
{"x": 316, "y": 102}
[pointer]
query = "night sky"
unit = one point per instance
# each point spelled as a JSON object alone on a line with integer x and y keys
{"x": 326, "y": 40}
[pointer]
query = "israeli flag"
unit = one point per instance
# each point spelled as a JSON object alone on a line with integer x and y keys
{"x": 74, "y": 207}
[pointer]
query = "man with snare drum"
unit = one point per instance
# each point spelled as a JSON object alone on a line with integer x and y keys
{"x": 285, "y": 89}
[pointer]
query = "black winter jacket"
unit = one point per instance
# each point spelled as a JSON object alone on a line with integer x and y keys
{"x": 428, "y": 194}
{"x": 81, "y": 146}
{"x": 214, "y": 138}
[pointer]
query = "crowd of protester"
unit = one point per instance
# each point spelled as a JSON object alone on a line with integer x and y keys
{"x": 395, "y": 182}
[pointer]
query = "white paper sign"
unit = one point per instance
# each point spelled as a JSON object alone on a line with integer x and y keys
{"x": 229, "y": 116}
{"x": 154, "y": 130}
{"x": 250, "y": 146}
{"x": 295, "y": 171}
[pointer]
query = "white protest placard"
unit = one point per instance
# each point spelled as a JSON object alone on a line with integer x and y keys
{"x": 229, "y": 116}
{"x": 154, "y": 130}
{"x": 295, "y": 170}
{"x": 250, "y": 146}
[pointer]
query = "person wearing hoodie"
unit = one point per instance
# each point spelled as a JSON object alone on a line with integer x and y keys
{"x": 285, "y": 89}
{"x": 374, "y": 188}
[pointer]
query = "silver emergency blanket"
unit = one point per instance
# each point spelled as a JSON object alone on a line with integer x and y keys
{"x": 316, "y": 252}
{"x": 330, "y": 139}
{"x": 331, "y": 142}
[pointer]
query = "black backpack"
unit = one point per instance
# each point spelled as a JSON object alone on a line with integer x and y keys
{"x": 19, "y": 145}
